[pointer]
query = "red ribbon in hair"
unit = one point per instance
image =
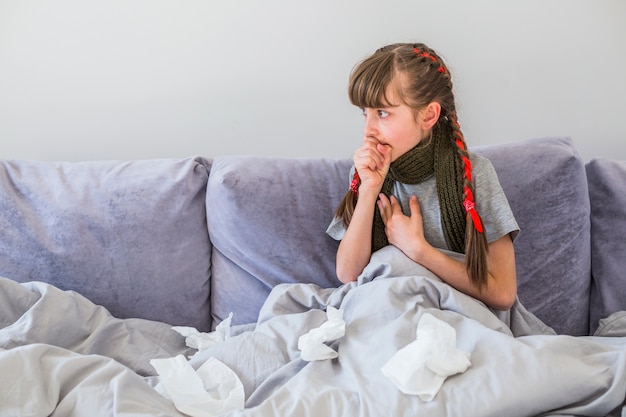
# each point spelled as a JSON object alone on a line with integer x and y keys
{"x": 468, "y": 204}
{"x": 470, "y": 209}
{"x": 354, "y": 185}
{"x": 441, "y": 68}
{"x": 467, "y": 167}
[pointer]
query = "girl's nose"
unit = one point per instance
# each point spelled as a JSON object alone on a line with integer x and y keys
{"x": 370, "y": 125}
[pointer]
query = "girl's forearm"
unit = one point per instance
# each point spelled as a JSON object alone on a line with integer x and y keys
{"x": 501, "y": 287}
{"x": 355, "y": 248}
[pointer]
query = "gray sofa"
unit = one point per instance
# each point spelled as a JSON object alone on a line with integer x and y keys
{"x": 187, "y": 241}
{"x": 132, "y": 249}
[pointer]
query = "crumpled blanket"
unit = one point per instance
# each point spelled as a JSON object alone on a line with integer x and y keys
{"x": 73, "y": 359}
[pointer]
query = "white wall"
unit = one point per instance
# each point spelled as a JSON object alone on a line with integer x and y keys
{"x": 126, "y": 79}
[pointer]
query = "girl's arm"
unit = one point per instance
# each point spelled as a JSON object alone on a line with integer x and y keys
{"x": 407, "y": 234}
{"x": 501, "y": 288}
{"x": 355, "y": 248}
{"x": 372, "y": 162}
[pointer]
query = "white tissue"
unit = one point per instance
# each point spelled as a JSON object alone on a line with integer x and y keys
{"x": 210, "y": 391}
{"x": 421, "y": 367}
{"x": 312, "y": 344}
{"x": 201, "y": 341}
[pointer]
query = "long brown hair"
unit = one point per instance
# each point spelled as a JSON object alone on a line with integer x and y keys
{"x": 421, "y": 77}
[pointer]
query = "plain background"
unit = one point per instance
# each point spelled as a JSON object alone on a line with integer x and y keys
{"x": 137, "y": 79}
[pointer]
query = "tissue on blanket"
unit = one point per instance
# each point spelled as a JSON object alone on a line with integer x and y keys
{"x": 312, "y": 344}
{"x": 211, "y": 390}
{"x": 201, "y": 341}
{"x": 421, "y": 367}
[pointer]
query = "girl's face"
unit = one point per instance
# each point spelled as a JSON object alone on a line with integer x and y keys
{"x": 396, "y": 126}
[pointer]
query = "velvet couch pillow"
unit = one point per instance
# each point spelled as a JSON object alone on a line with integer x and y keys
{"x": 545, "y": 182}
{"x": 267, "y": 221}
{"x": 130, "y": 236}
{"x": 607, "y": 193}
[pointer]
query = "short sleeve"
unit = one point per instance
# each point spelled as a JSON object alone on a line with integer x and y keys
{"x": 336, "y": 228}
{"x": 491, "y": 202}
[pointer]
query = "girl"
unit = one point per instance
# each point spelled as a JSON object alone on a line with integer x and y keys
{"x": 414, "y": 184}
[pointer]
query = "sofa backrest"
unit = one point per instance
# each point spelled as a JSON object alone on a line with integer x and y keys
{"x": 607, "y": 186}
{"x": 130, "y": 236}
{"x": 545, "y": 182}
{"x": 267, "y": 219}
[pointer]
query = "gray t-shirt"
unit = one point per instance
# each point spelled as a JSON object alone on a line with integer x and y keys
{"x": 491, "y": 204}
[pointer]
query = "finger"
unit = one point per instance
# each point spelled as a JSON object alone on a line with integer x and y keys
{"x": 384, "y": 201}
{"x": 369, "y": 140}
{"x": 385, "y": 152}
{"x": 383, "y": 149}
{"x": 384, "y": 206}
{"x": 366, "y": 161}
{"x": 369, "y": 156}
{"x": 378, "y": 149}
{"x": 395, "y": 204}
{"x": 414, "y": 206}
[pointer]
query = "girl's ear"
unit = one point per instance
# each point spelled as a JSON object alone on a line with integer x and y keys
{"x": 430, "y": 115}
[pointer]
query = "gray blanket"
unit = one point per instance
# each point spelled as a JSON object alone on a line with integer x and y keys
{"x": 61, "y": 355}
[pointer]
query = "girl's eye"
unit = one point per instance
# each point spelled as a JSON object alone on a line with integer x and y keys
{"x": 381, "y": 113}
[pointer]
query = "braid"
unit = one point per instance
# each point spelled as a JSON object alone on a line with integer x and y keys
{"x": 427, "y": 53}
{"x": 475, "y": 240}
{"x": 427, "y": 80}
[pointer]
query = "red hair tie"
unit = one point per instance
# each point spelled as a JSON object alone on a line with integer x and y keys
{"x": 354, "y": 185}
{"x": 441, "y": 68}
{"x": 470, "y": 208}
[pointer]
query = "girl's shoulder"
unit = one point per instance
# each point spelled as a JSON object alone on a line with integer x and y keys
{"x": 478, "y": 158}
{"x": 481, "y": 164}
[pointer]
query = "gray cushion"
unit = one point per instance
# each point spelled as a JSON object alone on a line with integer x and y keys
{"x": 267, "y": 219}
{"x": 130, "y": 236}
{"x": 607, "y": 193}
{"x": 545, "y": 182}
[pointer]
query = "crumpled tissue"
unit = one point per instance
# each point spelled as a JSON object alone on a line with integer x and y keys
{"x": 421, "y": 367}
{"x": 210, "y": 391}
{"x": 312, "y": 344}
{"x": 201, "y": 341}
